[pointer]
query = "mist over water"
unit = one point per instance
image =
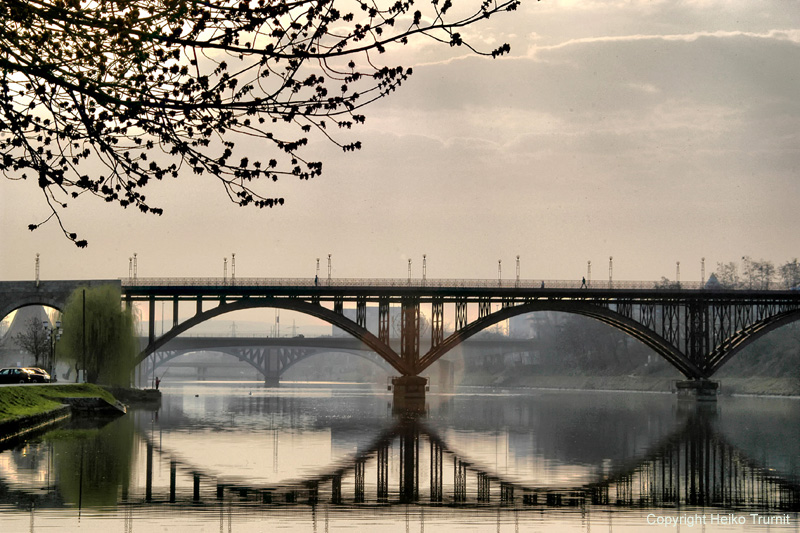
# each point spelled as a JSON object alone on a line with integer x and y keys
{"x": 327, "y": 457}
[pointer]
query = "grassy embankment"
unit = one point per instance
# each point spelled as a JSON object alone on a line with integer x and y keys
{"x": 26, "y": 400}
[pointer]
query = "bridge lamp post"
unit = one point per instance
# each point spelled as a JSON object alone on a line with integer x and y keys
{"x": 135, "y": 266}
{"x": 499, "y": 272}
{"x": 233, "y": 269}
{"x": 678, "y": 272}
{"x": 588, "y": 273}
{"x": 409, "y": 271}
{"x": 517, "y": 284}
{"x": 610, "y": 271}
{"x": 224, "y": 270}
{"x": 702, "y": 270}
{"x": 329, "y": 269}
{"x": 424, "y": 268}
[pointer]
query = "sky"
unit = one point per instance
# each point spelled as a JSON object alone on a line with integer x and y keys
{"x": 650, "y": 131}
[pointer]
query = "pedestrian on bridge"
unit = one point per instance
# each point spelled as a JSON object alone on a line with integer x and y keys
{"x": 583, "y": 282}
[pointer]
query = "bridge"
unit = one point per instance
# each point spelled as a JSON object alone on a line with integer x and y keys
{"x": 694, "y": 327}
{"x": 272, "y": 356}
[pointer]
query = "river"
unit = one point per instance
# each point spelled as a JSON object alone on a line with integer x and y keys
{"x": 238, "y": 457}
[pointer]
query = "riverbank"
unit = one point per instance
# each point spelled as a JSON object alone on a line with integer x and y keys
{"x": 25, "y": 408}
{"x": 754, "y": 385}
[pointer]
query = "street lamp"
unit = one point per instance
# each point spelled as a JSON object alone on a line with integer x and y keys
{"x": 610, "y": 271}
{"x": 588, "y": 273}
{"x": 53, "y": 335}
{"x": 499, "y": 272}
{"x": 702, "y": 270}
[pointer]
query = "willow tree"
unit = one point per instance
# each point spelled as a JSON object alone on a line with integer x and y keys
{"x": 99, "y": 335}
{"x": 104, "y": 96}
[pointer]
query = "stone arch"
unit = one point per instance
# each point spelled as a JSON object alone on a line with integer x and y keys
{"x": 42, "y": 300}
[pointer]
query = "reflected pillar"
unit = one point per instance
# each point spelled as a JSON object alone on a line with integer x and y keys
{"x": 409, "y": 462}
{"x": 148, "y": 490}
{"x": 173, "y": 468}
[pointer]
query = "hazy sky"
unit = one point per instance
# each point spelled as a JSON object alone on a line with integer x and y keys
{"x": 652, "y": 131}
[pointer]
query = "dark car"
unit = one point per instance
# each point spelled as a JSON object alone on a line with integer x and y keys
{"x": 40, "y": 374}
{"x": 20, "y": 375}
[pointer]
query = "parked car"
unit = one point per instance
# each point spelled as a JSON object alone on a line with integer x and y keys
{"x": 40, "y": 373}
{"x": 19, "y": 375}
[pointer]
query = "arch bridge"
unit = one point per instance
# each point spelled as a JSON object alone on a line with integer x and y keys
{"x": 695, "y": 328}
{"x": 272, "y": 356}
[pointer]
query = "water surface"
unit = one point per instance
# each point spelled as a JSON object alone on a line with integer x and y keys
{"x": 334, "y": 457}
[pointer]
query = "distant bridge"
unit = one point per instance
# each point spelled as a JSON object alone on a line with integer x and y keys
{"x": 696, "y": 328}
{"x": 272, "y": 356}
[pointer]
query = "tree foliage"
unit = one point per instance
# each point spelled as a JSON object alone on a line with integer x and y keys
{"x": 110, "y": 337}
{"x": 34, "y": 339}
{"x": 104, "y": 96}
{"x": 757, "y": 274}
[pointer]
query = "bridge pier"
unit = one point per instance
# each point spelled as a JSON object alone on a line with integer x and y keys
{"x": 701, "y": 390}
{"x": 272, "y": 381}
{"x": 409, "y": 393}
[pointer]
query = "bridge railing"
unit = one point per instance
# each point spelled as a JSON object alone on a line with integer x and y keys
{"x": 405, "y": 282}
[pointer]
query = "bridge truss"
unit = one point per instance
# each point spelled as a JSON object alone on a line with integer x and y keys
{"x": 696, "y": 330}
{"x": 270, "y": 359}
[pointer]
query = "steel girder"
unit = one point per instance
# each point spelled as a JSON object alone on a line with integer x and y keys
{"x": 696, "y": 331}
{"x": 332, "y": 317}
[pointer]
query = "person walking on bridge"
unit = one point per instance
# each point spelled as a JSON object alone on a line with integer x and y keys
{"x": 583, "y": 283}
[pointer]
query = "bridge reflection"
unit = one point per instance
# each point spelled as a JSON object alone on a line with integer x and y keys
{"x": 411, "y": 463}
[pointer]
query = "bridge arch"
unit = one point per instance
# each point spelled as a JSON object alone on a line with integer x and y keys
{"x": 749, "y": 335}
{"x": 167, "y": 355}
{"x": 42, "y": 300}
{"x": 614, "y": 319}
{"x": 290, "y": 304}
{"x": 358, "y": 353}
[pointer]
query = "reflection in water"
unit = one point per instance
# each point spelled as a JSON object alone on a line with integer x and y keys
{"x": 292, "y": 452}
{"x": 693, "y": 466}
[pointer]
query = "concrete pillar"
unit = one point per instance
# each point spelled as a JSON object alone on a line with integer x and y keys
{"x": 701, "y": 390}
{"x": 409, "y": 393}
